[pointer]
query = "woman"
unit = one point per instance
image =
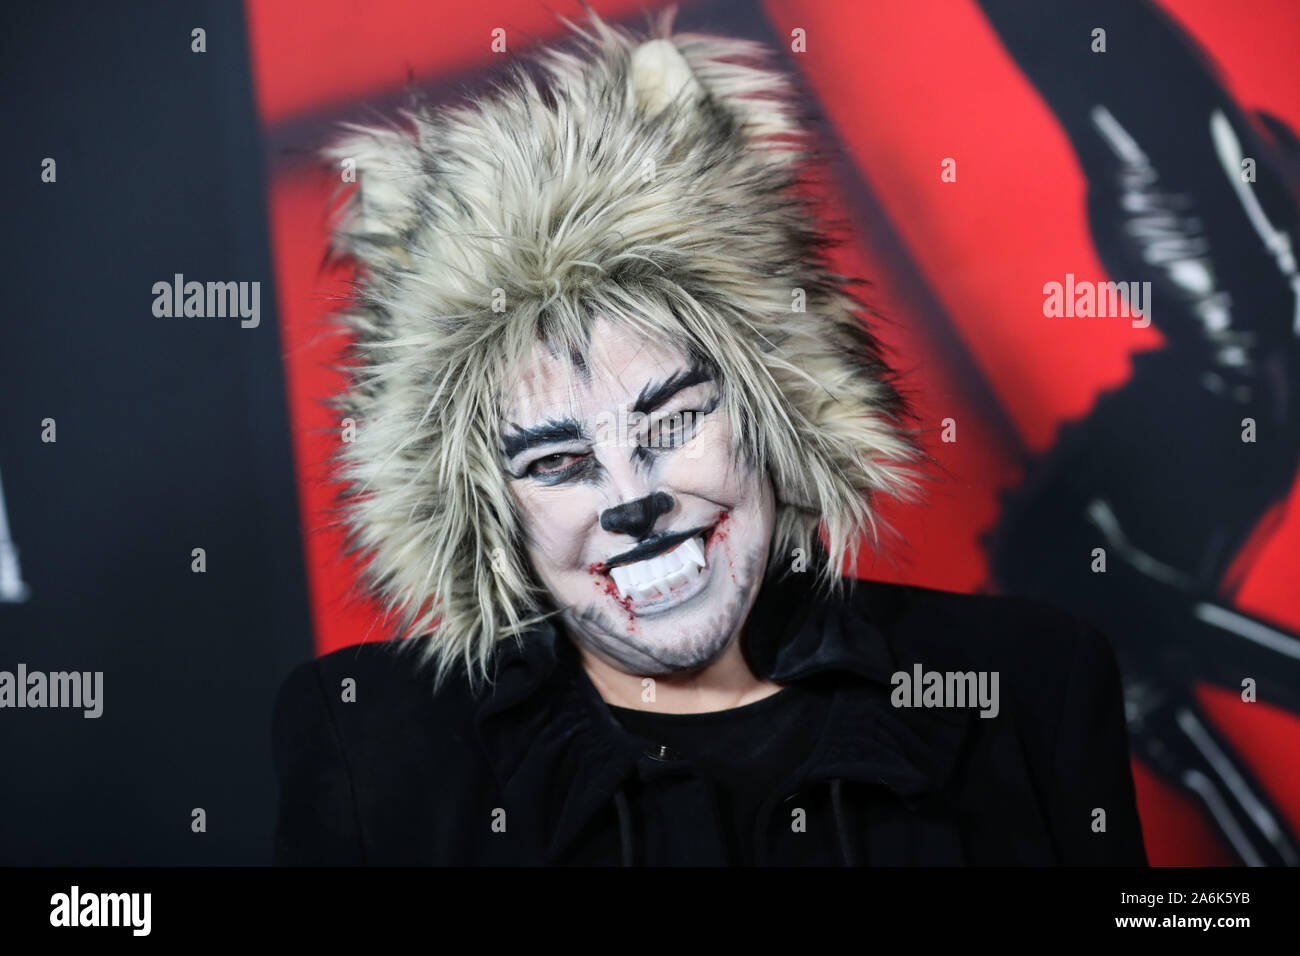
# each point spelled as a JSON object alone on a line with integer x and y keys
{"x": 607, "y": 394}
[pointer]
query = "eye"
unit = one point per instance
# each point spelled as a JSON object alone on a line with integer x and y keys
{"x": 559, "y": 465}
{"x": 673, "y": 430}
{"x": 677, "y": 428}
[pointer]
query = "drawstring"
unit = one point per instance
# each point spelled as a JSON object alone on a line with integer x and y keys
{"x": 624, "y": 828}
{"x": 841, "y": 830}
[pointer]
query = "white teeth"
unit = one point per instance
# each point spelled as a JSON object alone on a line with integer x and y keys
{"x": 643, "y": 581}
{"x": 647, "y": 579}
{"x": 640, "y": 572}
{"x": 693, "y": 551}
{"x": 622, "y": 580}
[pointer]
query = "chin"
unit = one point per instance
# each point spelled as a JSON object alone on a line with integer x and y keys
{"x": 676, "y": 612}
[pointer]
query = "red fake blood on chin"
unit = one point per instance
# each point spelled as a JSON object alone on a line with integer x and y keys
{"x": 606, "y": 584}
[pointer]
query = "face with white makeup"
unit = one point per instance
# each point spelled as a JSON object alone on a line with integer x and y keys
{"x": 654, "y": 555}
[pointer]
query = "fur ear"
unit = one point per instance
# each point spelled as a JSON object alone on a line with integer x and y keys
{"x": 659, "y": 75}
{"x": 375, "y": 218}
{"x": 761, "y": 100}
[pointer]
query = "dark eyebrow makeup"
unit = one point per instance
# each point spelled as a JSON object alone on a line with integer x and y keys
{"x": 549, "y": 432}
{"x": 657, "y": 393}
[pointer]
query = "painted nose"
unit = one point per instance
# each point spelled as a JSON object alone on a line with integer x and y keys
{"x": 637, "y": 518}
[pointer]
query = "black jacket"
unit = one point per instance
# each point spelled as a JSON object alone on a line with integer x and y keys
{"x": 535, "y": 770}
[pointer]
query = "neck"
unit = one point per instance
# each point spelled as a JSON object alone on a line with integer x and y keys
{"x": 725, "y": 683}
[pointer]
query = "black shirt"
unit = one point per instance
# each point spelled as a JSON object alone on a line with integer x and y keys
{"x": 747, "y": 752}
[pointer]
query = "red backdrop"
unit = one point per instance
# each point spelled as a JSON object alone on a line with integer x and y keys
{"x": 893, "y": 77}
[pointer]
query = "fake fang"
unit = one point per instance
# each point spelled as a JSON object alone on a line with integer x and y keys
{"x": 648, "y": 579}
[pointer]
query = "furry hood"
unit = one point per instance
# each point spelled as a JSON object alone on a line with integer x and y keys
{"x": 649, "y": 180}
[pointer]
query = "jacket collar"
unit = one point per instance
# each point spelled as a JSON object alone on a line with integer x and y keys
{"x": 854, "y": 637}
{"x": 560, "y": 755}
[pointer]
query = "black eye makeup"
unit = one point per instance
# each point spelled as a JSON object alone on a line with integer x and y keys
{"x": 659, "y": 428}
{"x": 673, "y": 429}
{"x": 558, "y": 467}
